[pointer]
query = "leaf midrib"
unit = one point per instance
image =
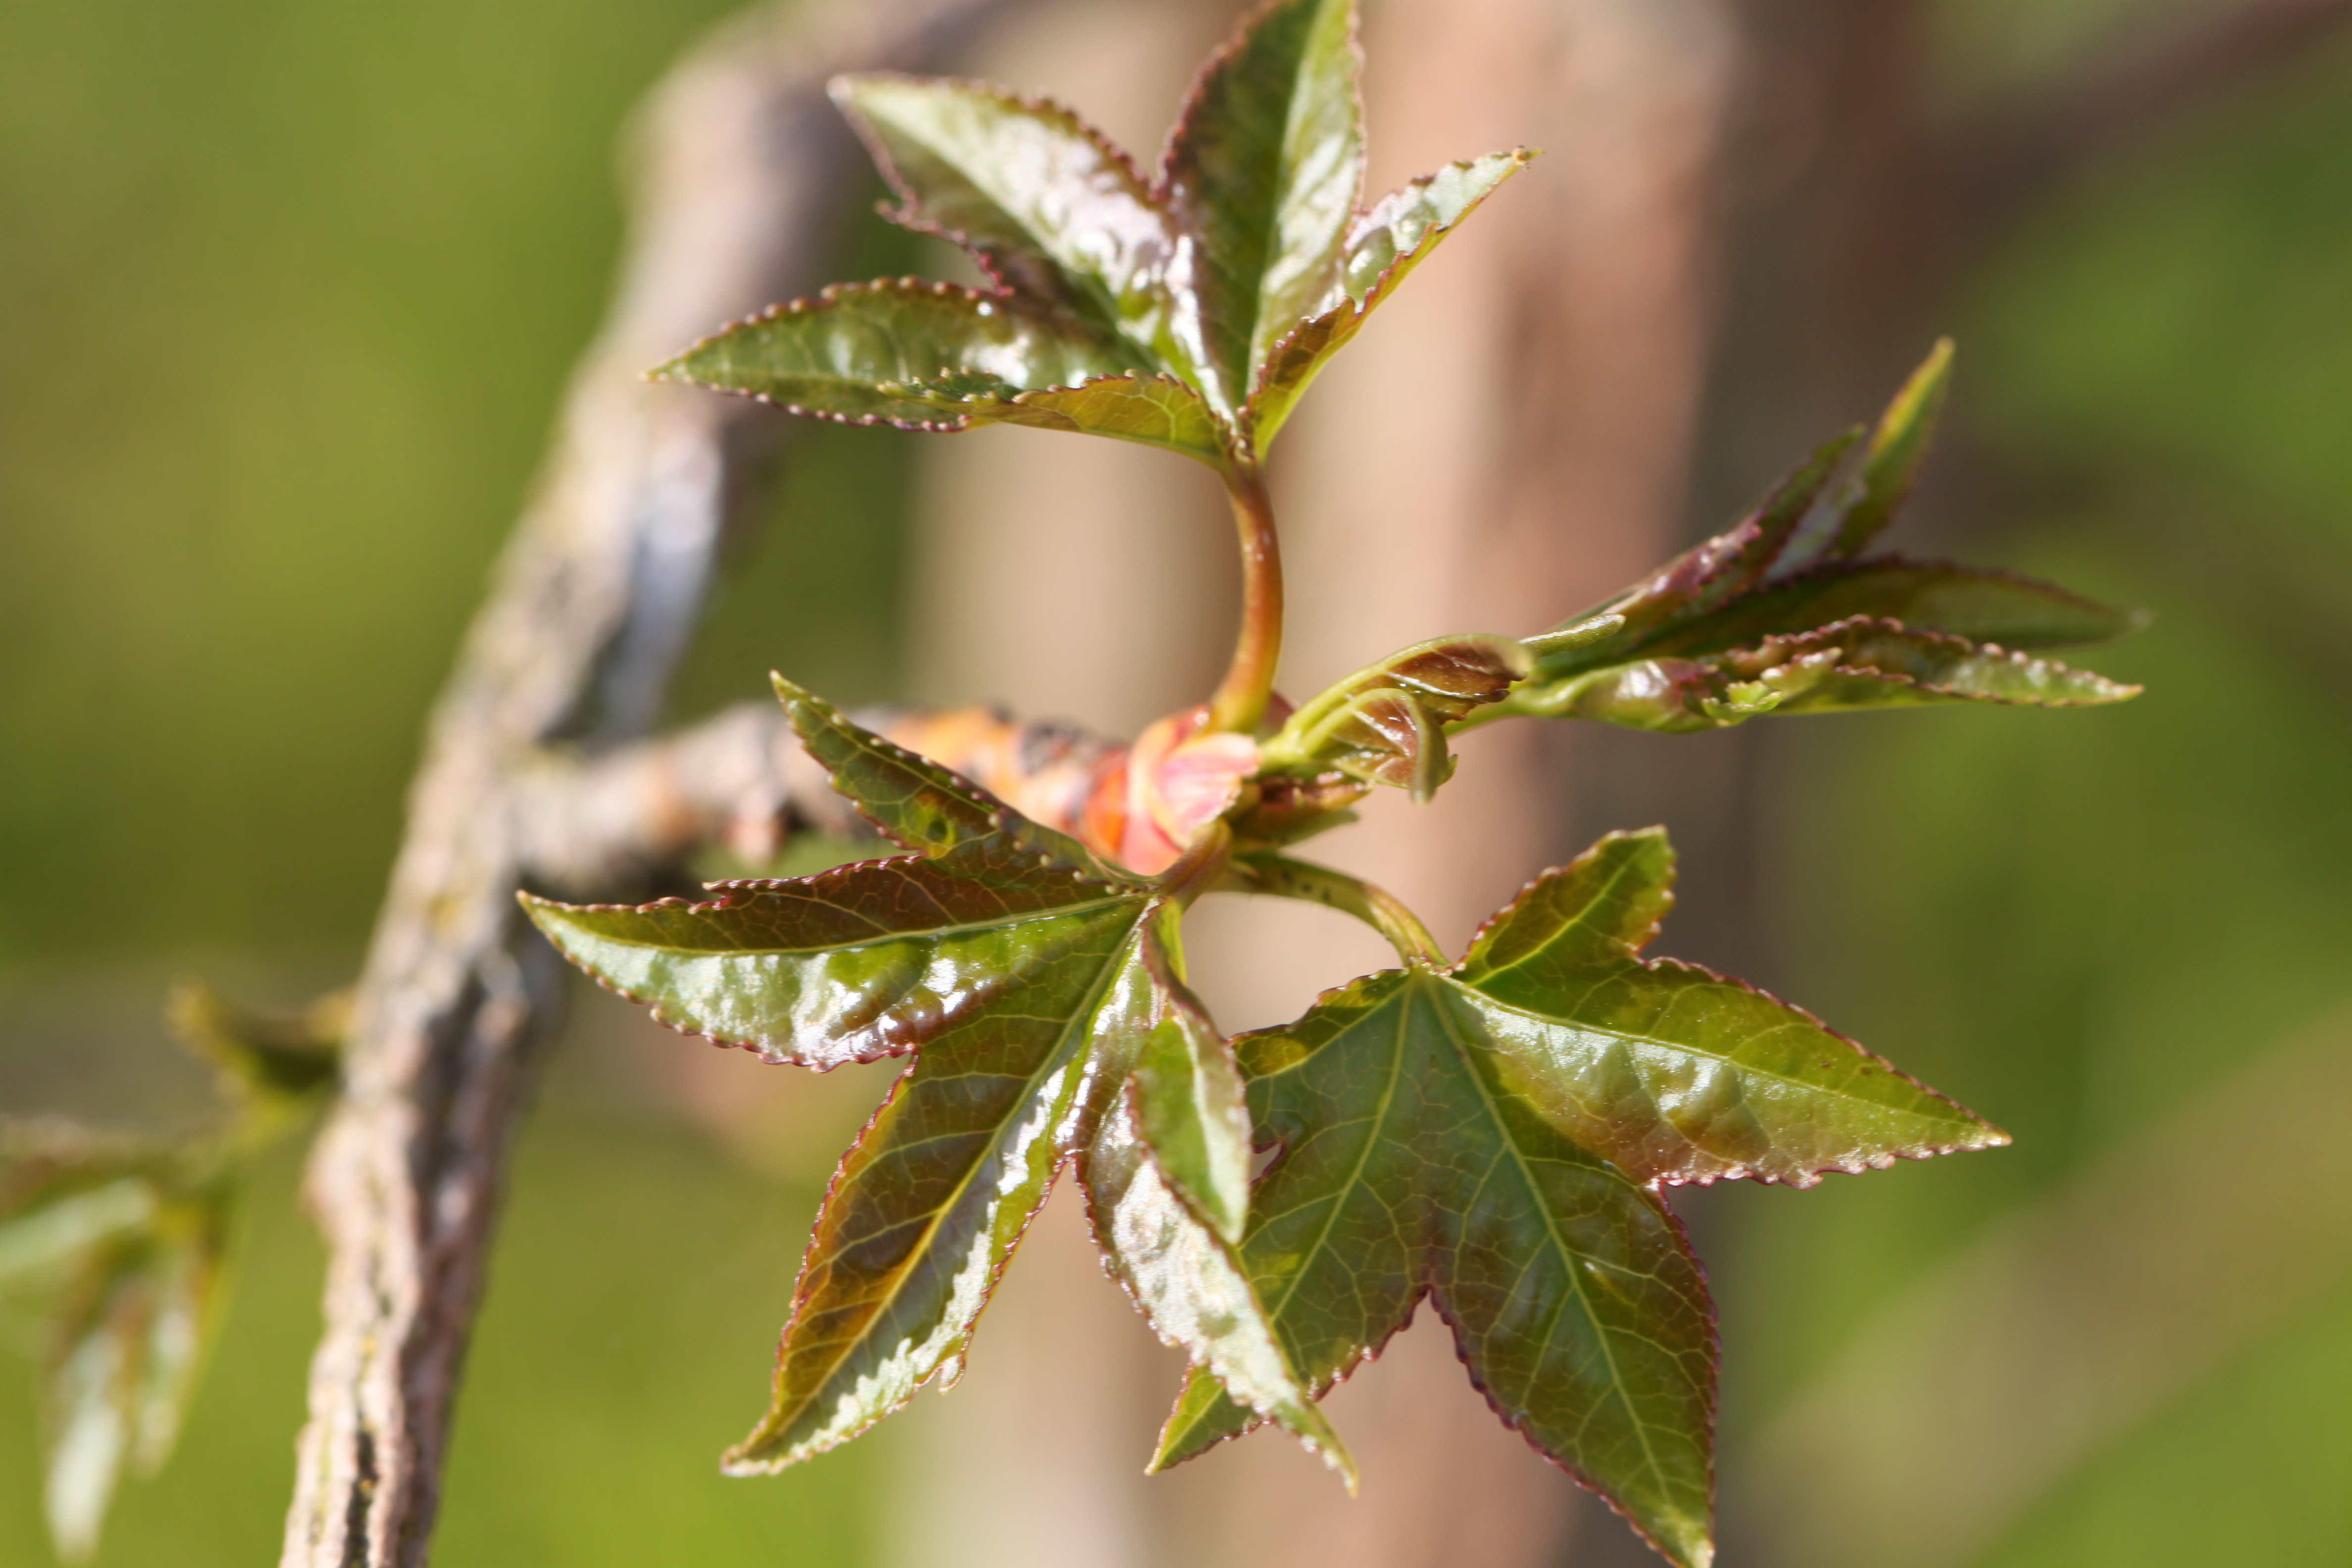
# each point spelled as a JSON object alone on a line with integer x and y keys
{"x": 1570, "y": 1254}
{"x": 1080, "y": 1019}
{"x": 1627, "y": 1035}
{"x": 938, "y": 933}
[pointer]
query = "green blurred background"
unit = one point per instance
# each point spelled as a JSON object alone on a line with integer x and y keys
{"x": 290, "y": 289}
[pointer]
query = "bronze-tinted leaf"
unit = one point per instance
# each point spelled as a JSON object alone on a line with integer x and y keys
{"x": 1385, "y": 724}
{"x": 1976, "y": 603}
{"x": 1037, "y": 195}
{"x": 1262, "y": 174}
{"x": 838, "y": 356}
{"x": 1383, "y": 246}
{"x": 1153, "y": 410}
{"x": 1409, "y": 1168}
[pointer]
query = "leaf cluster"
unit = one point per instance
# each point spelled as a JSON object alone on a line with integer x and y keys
{"x": 114, "y": 1248}
{"x": 1491, "y": 1131}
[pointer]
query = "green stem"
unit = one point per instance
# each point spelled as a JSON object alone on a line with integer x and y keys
{"x": 1376, "y": 907}
{"x": 1241, "y": 699}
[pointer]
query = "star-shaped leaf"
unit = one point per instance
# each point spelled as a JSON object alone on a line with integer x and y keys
{"x": 1780, "y": 614}
{"x": 1493, "y": 1135}
{"x": 1186, "y": 312}
{"x": 1038, "y": 990}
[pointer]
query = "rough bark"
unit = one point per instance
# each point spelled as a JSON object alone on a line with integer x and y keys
{"x": 740, "y": 164}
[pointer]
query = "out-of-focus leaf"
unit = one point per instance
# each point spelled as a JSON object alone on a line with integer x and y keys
{"x": 1889, "y": 466}
{"x": 281, "y": 1060}
{"x": 1493, "y": 1135}
{"x": 123, "y": 1362}
{"x": 1037, "y": 989}
{"x": 1862, "y": 662}
{"x": 1039, "y": 196}
{"x": 1155, "y": 410}
{"x": 114, "y": 1246}
{"x": 841, "y": 355}
{"x": 1385, "y": 724}
{"x": 1382, "y": 247}
{"x": 1262, "y": 174}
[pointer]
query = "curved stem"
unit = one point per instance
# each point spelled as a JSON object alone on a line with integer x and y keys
{"x": 1376, "y": 907}
{"x": 1241, "y": 698}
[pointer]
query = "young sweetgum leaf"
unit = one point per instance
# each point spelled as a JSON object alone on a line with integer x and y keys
{"x": 1037, "y": 989}
{"x": 1862, "y": 662}
{"x": 1493, "y": 1135}
{"x": 1385, "y": 724}
{"x": 1263, "y": 168}
{"x": 1188, "y": 312}
{"x": 116, "y": 1246}
{"x": 861, "y": 353}
{"x": 1382, "y": 247}
{"x": 1038, "y": 196}
{"x": 1774, "y": 616}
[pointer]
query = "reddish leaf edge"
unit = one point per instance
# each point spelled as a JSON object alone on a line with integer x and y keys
{"x": 532, "y": 901}
{"x": 1992, "y": 1137}
{"x": 1188, "y": 108}
{"x": 731, "y": 1463}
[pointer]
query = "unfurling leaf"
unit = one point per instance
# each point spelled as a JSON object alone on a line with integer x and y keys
{"x": 1774, "y": 616}
{"x": 1492, "y": 1134}
{"x": 1188, "y": 312}
{"x": 1386, "y": 723}
{"x": 1037, "y": 988}
{"x": 115, "y": 1245}
{"x": 1851, "y": 664}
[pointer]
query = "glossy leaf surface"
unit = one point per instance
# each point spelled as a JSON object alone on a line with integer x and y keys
{"x": 1187, "y": 312}
{"x": 1037, "y": 990}
{"x": 1408, "y": 1167}
{"x": 1262, "y": 173}
{"x": 1153, "y": 410}
{"x": 852, "y": 352}
{"x": 1039, "y": 196}
{"x": 1382, "y": 247}
{"x": 1493, "y": 1134}
{"x": 1850, "y": 664}
{"x": 1385, "y": 724}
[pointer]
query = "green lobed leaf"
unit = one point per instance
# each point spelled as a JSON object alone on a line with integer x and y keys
{"x": 1383, "y": 246}
{"x": 1039, "y": 993}
{"x": 1154, "y": 410}
{"x": 1039, "y": 196}
{"x": 1262, "y": 174}
{"x": 1408, "y": 1168}
{"x": 1385, "y": 724}
{"x": 1493, "y": 1135}
{"x": 839, "y": 355}
{"x": 1673, "y": 1073}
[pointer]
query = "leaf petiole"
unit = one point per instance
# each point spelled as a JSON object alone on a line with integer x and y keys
{"x": 1241, "y": 698}
{"x": 1283, "y": 878}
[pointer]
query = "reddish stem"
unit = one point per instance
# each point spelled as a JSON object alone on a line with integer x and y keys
{"x": 1241, "y": 699}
